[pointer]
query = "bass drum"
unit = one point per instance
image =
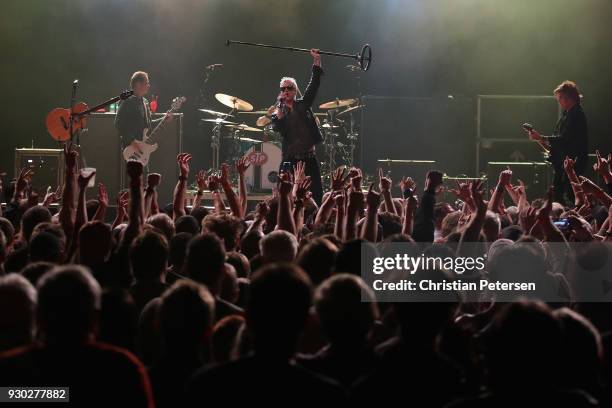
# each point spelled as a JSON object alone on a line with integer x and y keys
{"x": 265, "y": 160}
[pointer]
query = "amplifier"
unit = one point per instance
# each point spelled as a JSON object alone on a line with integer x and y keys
{"x": 47, "y": 166}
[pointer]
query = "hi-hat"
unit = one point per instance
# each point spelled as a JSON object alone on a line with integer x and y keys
{"x": 219, "y": 120}
{"x": 337, "y": 103}
{"x": 351, "y": 109}
{"x": 233, "y": 102}
{"x": 244, "y": 127}
{"x": 212, "y": 112}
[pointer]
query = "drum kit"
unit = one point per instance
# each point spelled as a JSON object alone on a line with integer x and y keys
{"x": 231, "y": 132}
{"x": 338, "y": 115}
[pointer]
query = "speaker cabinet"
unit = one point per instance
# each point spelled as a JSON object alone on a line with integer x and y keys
{"x": 47, "y": 166}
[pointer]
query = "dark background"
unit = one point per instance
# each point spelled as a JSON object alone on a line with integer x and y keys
{"x": 431, "y": 48}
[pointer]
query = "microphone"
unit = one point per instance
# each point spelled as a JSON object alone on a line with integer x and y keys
{"x": 212, "y": 67}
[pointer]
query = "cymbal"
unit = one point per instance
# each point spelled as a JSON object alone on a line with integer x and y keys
{"x": 351, "y": 109}
{"x": 248, "y": 139}
{"x": 244, "y": 127}
{"x": 212, "y": 112}
{"x": 337, "y": 103}
{"x": 219, "y": 120}
{"x": 233, "y": 102}
{"x": 258, "y": 112}
{"x": 263, "y": 121}
{"x": 329, "y": 126}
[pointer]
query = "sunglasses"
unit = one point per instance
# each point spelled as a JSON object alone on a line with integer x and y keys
{"x": 287, "y": 88}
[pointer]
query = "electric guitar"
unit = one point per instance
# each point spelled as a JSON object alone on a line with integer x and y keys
{"x": 140, "y": 150}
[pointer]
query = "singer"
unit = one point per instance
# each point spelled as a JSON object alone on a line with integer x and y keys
{"x": 134, "y": 114}
{"x": 294, "y": 120}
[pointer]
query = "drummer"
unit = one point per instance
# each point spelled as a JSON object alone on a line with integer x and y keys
{"x": 294, "y": 120}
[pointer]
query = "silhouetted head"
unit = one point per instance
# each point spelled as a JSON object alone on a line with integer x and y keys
{"x": 277, "y": 308}
{"x": 346, "y": 307}
{"x": 206, "y": 261}
{"x": 149, "y": 256}
{"x": 68, "y": 305}
{"x": 17, "y": 303}
{"x": 186, "y": 315}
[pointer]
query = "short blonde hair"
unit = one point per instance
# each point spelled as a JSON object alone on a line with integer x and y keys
{"x": 293, "y": 81}
{"x": 138, "y": 76}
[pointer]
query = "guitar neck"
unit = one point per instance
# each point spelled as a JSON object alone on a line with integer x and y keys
{"x": 158, "y": 126}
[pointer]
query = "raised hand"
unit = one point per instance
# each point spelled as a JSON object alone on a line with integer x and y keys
{"x": 51, "y": 196}
{"x": 316, "y": 56}
{"x": 213, "y": 182}
{"x": 356, "y": 178}
{"x": 22, "y": 180}
{"x": 183, "y": 161}
{"x": 299, "y": 172}
{"x": 476, "y": 194}
{"x": 372, "y": 198}
{"x": 201, "y": 180}
{"x": 587, "y": 186}
{"x": 462, "y": 191}
{"x": 337, "y": 179}
{"x": 384, "y": 182}
{"x": 602, "y": 166}
{"x": 83, "y": 181}
{"x": 153, "y": 179}
{"x": 225, "y": 178}
{"x": 134, "y": 169}
{"x": 302, "y": 188}
{"x": 70, "y": 156}
{"x": 407, "y": 183}
{"x": 568, "y": 164}
{"x": 122, "y": 203}
{"x": 543, "y": 214}
{"x": 505, "y": 177}
{"x": 242, "y": 165}
{"x": 102, "y": 195}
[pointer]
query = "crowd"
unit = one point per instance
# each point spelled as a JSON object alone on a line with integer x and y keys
{"x": 221, "y": 306}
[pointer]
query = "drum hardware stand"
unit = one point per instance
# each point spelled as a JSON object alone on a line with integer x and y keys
{"x": 215, "y": 141}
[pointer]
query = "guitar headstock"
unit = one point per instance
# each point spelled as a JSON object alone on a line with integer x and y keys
{"x": 177, "y": 103}
{"x": 126, "y": 94}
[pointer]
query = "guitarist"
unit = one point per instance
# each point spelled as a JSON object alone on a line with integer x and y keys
{"x": 134, "y": 114}
{"x": 570, "y": 139}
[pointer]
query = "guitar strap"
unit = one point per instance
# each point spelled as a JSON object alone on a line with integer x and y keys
{"x": 147, "y": 113}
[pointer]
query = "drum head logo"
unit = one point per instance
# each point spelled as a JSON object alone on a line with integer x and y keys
{"x": 258, "y": 158}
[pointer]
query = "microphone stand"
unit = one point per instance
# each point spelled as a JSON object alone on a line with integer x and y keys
{"x": 75, "y": 84}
